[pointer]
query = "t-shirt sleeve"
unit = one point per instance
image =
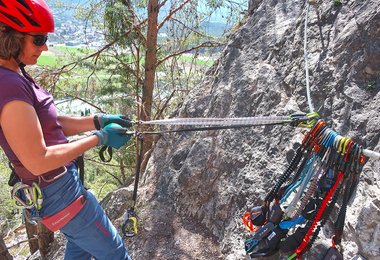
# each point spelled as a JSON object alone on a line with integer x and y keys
{"x": 13, "y": 88}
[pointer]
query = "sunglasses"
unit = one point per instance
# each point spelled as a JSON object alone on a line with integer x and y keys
{"x": 38, "y": 40}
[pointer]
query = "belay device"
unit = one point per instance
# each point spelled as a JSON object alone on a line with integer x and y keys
{"x": 324, "y": 170}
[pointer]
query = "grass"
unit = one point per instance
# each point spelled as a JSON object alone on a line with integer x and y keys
{"x": 202, "y": 62}
{"x": 47, "y": 60}
{"x": 60, "y": 55}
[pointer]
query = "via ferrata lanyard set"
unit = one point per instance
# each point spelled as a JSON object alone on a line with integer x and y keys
{"x": 130, "y": 224}
{"x": 179, "y": 125}
{"x": 325, "y": 168}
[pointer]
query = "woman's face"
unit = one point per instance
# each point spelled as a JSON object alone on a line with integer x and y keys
{"x": 34, "y": 45}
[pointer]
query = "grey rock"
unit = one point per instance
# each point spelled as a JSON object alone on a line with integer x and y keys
{"x": 209, "y": 178}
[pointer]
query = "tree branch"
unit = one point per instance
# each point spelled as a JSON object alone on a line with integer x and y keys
{"x": 172, "y": 13}
{"x": 161, "y": 110}
{"x": 191, "y": 29}
{"x": 202, "y": 45}
{"x": 19, "y": 243}
{"x": 97, "y": 53}
{"x": 115, "y": 177}
{"x": 102, "y": 163}
{"x": 87, "y": 102}
{"x": 162, "y": 4}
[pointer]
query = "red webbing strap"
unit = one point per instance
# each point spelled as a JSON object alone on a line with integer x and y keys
{"x": 339, "y": 223}
{"x": 60, "y": 219}
{"x": 325, "y": 201}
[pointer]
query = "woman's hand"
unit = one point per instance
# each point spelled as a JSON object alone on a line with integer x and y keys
{"x": 101, "y": 120}
{"x": 113, "y": 135}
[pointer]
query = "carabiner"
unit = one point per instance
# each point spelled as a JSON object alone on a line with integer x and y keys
{"x": 130, "y": 225}
{"x": 22, "y": 195}
{"x": 37, "y": 196}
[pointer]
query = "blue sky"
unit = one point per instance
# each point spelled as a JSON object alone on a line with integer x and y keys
{"x": 221, "y": 14}
{"x": 218, "y": 16}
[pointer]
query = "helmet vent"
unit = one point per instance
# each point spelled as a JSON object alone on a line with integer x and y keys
{"x": 13, "y": 19}
{"x": 2, "y": 4}
{"x": 34, "y": 23}
{"x": 22, "y": 2}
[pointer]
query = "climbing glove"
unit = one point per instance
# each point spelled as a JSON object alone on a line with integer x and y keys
{"x": 101, "y": 120}
{"x": 112, "y": 135}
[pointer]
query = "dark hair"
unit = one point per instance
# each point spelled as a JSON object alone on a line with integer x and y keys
{"x": 11, "y": 42}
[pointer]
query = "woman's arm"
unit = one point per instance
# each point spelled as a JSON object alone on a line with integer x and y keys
{"x": 76, "y": 125}
{"x": 23, "y": 132}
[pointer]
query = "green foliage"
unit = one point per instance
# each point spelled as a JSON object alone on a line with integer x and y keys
{"x": 215, "y": 4}
{"x": 337, "y": 3}
{"x": 118, "y": 19}
{"x": 10, "y": 213}
{"x": 102, "y": 178}
{"x": 371, "y": 84}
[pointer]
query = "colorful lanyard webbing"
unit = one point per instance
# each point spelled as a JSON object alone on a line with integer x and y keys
{"x": 348, "y": 192}
{"x": 294, "y": 163}
{"x": 297, "y": 183}
{"x": 323, "y": 206}
{"x": 310, "y": 171}
{"x": 327, "y": 160}
{"x": 321, "y": 169}
{"x": 351, "y": 181}
{"x": 324, "y": 220}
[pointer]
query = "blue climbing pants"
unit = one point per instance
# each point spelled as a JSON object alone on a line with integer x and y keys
{"x": 90, "y": 233}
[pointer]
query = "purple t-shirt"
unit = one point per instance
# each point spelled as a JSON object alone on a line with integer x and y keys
{"x": 15, "y": 87}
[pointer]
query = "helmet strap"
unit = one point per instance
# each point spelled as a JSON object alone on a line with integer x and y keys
{"x": 23, "y": 71}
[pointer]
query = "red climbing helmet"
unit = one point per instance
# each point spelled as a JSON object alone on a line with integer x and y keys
{"x": 27, "y": 15}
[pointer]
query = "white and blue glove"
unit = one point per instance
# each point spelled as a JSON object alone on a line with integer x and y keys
{"x": 101, "y": 120}
{"x": 112, "y": 135}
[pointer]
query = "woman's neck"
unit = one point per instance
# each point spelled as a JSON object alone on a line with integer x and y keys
{"x": 9, "y": 64}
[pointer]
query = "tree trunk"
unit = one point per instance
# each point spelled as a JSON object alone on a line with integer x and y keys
{"x": 45, "y": 238}
{"x": 150, "y": 72}
{"x": 31, "y": 232}
{"x": 4, "y": 253}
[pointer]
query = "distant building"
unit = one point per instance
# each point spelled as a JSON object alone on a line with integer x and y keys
{"x": 71, "y": 43}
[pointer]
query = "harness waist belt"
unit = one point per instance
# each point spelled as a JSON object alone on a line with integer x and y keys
{"x": 60, "y": 219}
{"x": 43, "y": 180}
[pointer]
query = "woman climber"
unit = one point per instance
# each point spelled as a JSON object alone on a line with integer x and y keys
{"x": 33, "y": 137}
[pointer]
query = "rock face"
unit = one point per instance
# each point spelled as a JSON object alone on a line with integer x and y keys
{"x": 198, "y": 184}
